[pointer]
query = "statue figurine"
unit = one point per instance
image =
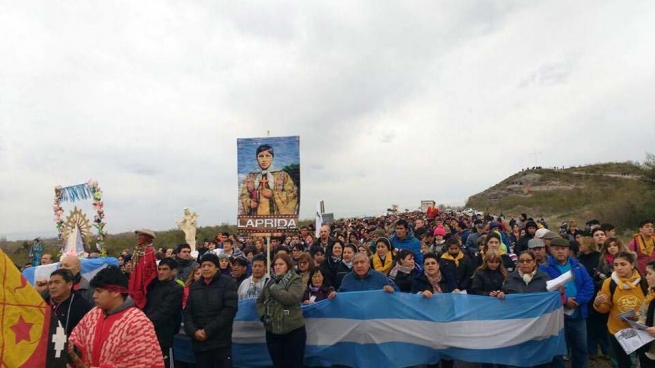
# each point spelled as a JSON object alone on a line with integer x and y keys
{"x": 188, "y": 224}
{"x": 36, "y": 251}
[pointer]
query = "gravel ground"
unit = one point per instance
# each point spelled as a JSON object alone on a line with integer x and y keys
{"x": 598, "y": 363}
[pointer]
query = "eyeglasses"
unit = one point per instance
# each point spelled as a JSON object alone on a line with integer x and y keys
{"x": 525, "y": 260}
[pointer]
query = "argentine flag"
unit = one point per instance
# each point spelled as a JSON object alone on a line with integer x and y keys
{"x": 90, "y": 266}
{"x": 377, "y": 329}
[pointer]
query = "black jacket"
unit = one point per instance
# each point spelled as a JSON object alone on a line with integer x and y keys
{"x": 342, "y": 270}
{"x": 522, "y": 244}
{"x": 184, "y": 268}
{"x": 515, "y": 284}
{"x": 211, "y": 307}
{"x": 329, "y": 269}
{"x": 509, "y": 265}
{"x": 71, "y": 311}
{"x": 486, "y": 281}
{"x": 461, "y": 273}
{"x": 164, "y": 309}
{"x": 421, "y": 283}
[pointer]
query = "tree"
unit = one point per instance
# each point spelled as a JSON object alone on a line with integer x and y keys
{"x": 649, "y": 170}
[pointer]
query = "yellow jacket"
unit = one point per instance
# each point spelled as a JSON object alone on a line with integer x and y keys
{"x": 628, "y": 296}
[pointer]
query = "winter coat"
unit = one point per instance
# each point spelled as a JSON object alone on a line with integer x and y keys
{"x": 279, "y": 305}
{"x": 342, "y": 270}
{"x": 486, "y": 281}
{"x": 211, "y": 306}
{"x": 461, "y": 273}
{"x": 164, "y": 309}
{"x": 184, "y": 268}
{"x": 373, "y": 280}
{"x": 409, "y": 242}
{"x": 515, "y": 284}
{"x": 583, "y": 282}
{"x": 321, "y": 294}
{"x": 421, "y": 284}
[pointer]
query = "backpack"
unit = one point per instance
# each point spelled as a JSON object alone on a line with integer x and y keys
{"x": 643, "y": 283}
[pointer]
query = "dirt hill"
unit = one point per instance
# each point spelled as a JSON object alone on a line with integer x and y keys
{"x": 610, "y": 192}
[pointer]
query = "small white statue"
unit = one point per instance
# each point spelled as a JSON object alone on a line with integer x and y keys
{"x": 188, "y": 225}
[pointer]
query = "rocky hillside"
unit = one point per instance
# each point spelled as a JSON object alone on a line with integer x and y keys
{"x": 612, "y": 192}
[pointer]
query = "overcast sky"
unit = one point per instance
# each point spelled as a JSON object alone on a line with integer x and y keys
{"x": 394, "y": 102}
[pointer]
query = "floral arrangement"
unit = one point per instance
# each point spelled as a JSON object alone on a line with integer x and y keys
{"x": 98, "y": 219}
{"x": 59, "y": 211}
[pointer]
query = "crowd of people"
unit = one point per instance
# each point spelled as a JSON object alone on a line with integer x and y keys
{"x": 155, "y": 292}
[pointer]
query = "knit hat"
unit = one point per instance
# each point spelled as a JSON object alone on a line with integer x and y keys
{"x": 209, "y": 257}
{"x": 439, "y": 231}
{"x": 493, "y": 224}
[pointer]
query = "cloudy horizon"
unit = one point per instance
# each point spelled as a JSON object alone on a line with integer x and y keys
{"x": 394, "y": 103}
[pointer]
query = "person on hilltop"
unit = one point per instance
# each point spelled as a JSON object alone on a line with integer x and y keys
{"x": 144, "y": 267}
{"x": 128, "y": 335}
{"x": 404, "y": 239}
{"x": 643, "y": 243}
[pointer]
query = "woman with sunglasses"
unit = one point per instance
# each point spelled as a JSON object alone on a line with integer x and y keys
{"x": 528, "y": 278}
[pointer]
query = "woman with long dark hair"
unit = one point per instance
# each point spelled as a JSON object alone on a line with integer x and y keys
{"x": 279, "y": 309}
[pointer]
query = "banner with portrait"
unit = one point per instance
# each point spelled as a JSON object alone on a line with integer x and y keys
{"x": 268, "y": 171}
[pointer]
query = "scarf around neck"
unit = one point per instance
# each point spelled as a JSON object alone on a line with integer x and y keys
{"x": 646, "y": 247}
{"x": 384, "y": 268}
{"x": 631, "y": 282}
{"x": 527, "y": 277}
{"x": 434, "y": 281}
{"x": 447, "y": 256}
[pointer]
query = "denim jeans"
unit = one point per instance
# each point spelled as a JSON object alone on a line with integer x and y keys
{"x": 575, "y": 330}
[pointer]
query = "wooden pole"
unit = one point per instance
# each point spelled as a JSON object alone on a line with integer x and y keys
{"x": 268, "y": 257}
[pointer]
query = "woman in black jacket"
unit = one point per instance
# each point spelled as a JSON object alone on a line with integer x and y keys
{"x": 333, "y": 257}
{"x": 488, "y": 279}
{"x": 528, "y": 278}
{"x": 403, "y": 273}
{"x": 346, "y": 264}
{"x": 431, "y": 282}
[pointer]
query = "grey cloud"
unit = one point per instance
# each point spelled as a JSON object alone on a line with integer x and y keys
{"x": 149, "y": 99}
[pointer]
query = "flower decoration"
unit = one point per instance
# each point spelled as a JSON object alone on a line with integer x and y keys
{"x": 58, "y": 211}
{"x": 98, "y": 219}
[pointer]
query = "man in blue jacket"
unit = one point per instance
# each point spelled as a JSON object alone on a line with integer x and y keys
{"x": 579, "y": 293}
{"x": 404, "y": 239}
{"x": 363, "y": 278}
